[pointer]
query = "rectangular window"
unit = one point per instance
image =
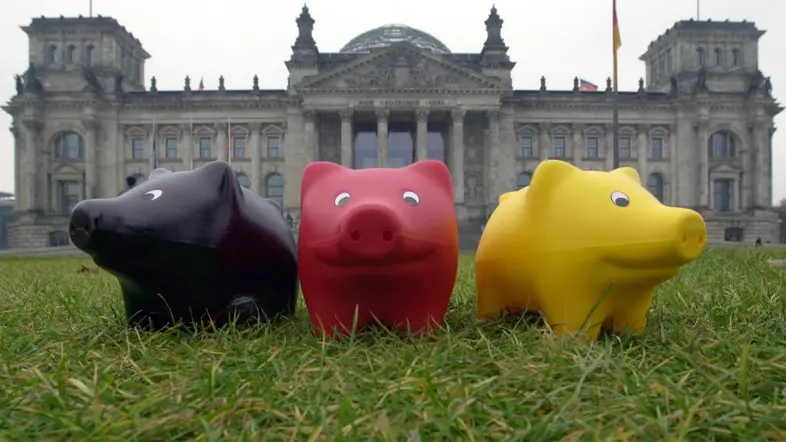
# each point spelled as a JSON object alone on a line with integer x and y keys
{"x": 69, "y": 195}
{"x": 592, "y": 147}
{"x": 205, "y": 147}
{"x": 656, "y": 148}
{"x": 137, "y": 148}
{"x": 274, "y": 146}
{"x": 238, "y": 146}
{"x": 559, "y": 147}
{"x": 624, "y": 147}
{"x": 170, "y": 148}
{"x": 723, "y": 195}
{"x": 525, "y": 147}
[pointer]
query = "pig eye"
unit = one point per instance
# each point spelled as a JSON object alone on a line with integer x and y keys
{"x": 153, "y": 195}
{"x": 341, "y": 199}
{"x": 411, "y": 198}
{"x": 620, "y": 199}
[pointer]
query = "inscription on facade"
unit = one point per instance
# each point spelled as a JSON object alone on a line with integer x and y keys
{"x": 387, "y": 103}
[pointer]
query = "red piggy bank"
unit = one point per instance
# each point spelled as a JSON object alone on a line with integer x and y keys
{"x": 377, "y": 246}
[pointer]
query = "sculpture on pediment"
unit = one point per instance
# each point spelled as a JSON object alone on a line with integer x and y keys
{"x": 19, "y": 86}
{"x": 31, "y": 81}
{"x": 768, "y": 86}
{"x": 401, "y": 71}
{"x": 91, "y": 81}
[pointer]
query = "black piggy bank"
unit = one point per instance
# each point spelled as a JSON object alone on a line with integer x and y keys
{"x": 192, "y": 247}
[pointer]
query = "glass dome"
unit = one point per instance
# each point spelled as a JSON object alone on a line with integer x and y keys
{"x": 387, "y": 35}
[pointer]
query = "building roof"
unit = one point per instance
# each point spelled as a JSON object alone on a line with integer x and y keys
{"x": 108, "y": 24}
{"x": 387, "y": 35}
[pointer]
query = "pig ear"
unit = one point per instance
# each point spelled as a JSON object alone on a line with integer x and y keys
{"x": 436, "y": 171}
{"x": 628, "y": 172}
{"x": 216, "y": 173}
{"x": 545, "y": 179}
{"x": 315, "y": 171}
{"x": 159, "y": 172}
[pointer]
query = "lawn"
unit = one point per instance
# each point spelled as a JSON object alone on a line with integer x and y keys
{"x": 711, "y": 366}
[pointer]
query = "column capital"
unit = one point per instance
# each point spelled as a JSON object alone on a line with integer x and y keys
{"x": 310, "y": 115}
{"x": 544, "y": 128}
{"x": 91, "y": 124}
{"x": 255, "y": 127}
{"x": 421, "y": 115}
{"x": 185, "y": 128}
{"x": 643, "y": 128}
{"x": 493, "y": 115}
{"x": 220, "y": 127}
{"x": 577, "y": 128}
{"x": 608, "y": 128}
{"x": 382, "y": 115}
{"x": 457, "y": 114}
{"x": 33, "y": 125}
{"x": 346, "y": 115}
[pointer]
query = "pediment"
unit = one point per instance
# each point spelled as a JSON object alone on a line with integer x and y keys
{"x": 66, "y": 169}
{"x": 170, "y": 130}
{"x": 724, "y": 168}
{"x": 400, "y": 67}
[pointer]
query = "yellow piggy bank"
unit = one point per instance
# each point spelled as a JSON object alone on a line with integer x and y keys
{"x": 585, "y": 248}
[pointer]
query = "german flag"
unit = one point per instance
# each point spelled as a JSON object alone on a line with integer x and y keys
{"x": 616, "y": 39}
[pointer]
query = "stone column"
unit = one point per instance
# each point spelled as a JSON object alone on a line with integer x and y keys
{"x": 641, "y": 155}
{"x": 735, "y": 195}
{"x": 43, "y": 166}
{"x": 91, "y": 127}
{"x": 457, "y": 154}
{"x": 704, "y": 163}
{"x": 544, "y": 141}
{"x": 19, "y": 152}
{"x": 760, "y": 147}
{"x": 608, "y": 139}
{"x": 495, "y": 160}
{"x": 347, "y": 148}
{"x": 421, "y": 136}
{"x": 576, "y": 143}
{"x": 187, "y": 148}
{"x": 382, "y": 137}
{"x": 221, "y": 141}
{"x": 26, "y": 195}
{"x": 310, "y": 135}
{"x": 256, "y": 151}
{"x": 674, "y": 180}
{"x": 711, "y": 196}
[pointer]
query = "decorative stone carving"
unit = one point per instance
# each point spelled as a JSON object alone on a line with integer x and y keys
{"x": 493, "y": 115}
{"x": 330, "y": 141}
{"x": 544, "y": 128}
{"x": 457, "y": 114}
{"x": 473, "y": 189}
{"x": 402, "y": 70}
{"x": 421, "y": 115}
{"x": 643, "y": 128}
{"x": 309, "y": 115}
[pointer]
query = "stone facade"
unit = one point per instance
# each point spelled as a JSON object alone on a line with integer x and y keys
{"x": 698, "y": 130}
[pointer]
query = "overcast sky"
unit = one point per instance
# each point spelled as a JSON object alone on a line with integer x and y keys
{"x": 240, "y": 38}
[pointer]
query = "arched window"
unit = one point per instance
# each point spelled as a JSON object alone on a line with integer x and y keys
{"x": 718, "y": 57}
{"x": 655, "y": 186}
{"x": 735, "y": 57}
{"x": 274, "y": 188}
{"x": 72, "y": 54}
{"x": 523, "y": 180}
{"x": 69, "y": 146}
{"x": 244, "y": 180}
{"x": 52, "y": 55}
{"x": 700, "y": 55}
{"x": 90, "y": 53}
{"x": 722, "y": 145}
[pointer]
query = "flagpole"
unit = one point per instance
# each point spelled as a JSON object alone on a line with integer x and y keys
{"x": 91, "y": 8}
{"x": 616, "y": 42}
{"x": 155, "y": 151}
{"x": 698, "y": 10}
{"x": 229, "y": 140}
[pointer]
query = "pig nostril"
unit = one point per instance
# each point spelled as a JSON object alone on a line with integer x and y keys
{"x": 700, "y": 240}
{"x": 355, "y": 235}
{"x": 684, "y": 239}
{"x": 387, "y": 235}
{"x": 71, "y": 229}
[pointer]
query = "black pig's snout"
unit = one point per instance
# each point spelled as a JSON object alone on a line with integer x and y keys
{"x": 84, "y": 222}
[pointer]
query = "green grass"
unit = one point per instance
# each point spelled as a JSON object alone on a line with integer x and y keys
{"x": 711, "y": 366}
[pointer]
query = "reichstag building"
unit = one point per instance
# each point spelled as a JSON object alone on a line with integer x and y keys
{"x": 698, "y": 129}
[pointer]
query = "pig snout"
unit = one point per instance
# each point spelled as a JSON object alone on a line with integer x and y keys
{"x": 84, "y": 222}
{"x": 371, "y": 230}
{"x": 689, "y": 236}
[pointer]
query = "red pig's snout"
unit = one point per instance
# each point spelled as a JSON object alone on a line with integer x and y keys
{"x": 371, "y": 230}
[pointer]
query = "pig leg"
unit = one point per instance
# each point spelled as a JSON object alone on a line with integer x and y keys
{"x": 573, "y": 315}
{"x": 418, "y": 313}
{"x": 632, "y": 318}
{"x": 490, "y": 298}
